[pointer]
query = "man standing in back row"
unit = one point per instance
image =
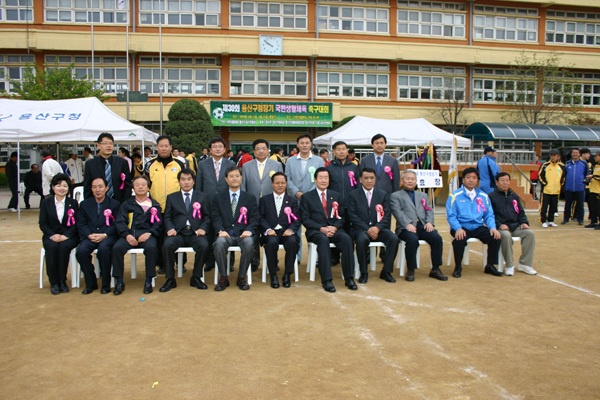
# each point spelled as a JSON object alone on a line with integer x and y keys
{"x": 386, "y": 166}
{"x": 577, "y": 171}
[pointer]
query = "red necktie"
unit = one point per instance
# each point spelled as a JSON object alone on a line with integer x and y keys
{"x": 324, "y": 202}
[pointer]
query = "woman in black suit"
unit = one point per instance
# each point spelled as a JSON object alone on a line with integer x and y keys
{"x": 57, "y": 222}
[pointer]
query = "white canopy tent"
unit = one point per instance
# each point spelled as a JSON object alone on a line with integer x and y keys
{"x": 407, "y": 132}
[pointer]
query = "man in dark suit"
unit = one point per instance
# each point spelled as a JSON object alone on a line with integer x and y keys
{"x": 96, "y": 225}
{"x": 279, "y": 224}
{"x": 386, "y": 166}
{"x": 369, "y": 213}
{"x": 235, "y": 220}
{"x": 112, "y": 168}
{"x": 322, "y": 211}
{"x": 187, "y": 220}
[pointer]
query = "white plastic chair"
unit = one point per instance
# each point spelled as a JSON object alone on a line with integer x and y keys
{"x": 401, "y": 263}
{"x": 78, "y": 194}
{"x": 229, "y": 250}
{"x": 73, "y": 266}
{"x": 467, "y": 251}
{"x": 311, "y": 264}
{"x": 265, "y": 270}
{"x": 179, "y": 253}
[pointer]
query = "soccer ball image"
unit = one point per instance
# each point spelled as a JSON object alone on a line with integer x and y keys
{"x": 218, "y": 113}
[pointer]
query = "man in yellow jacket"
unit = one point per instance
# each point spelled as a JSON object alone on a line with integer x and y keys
{"x": 552, "y": 176}
{"x": 595, "y": 194}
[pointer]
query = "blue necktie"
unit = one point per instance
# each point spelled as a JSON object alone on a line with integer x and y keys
{"x": 187, "y": 202}
{"x": 378, "y": 165}
{"x": 108, "y": 175}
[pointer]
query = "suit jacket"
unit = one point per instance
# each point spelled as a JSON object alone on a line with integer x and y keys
{"x": 313, "y": 215}
{"x": 253, "y": 184}
{"x": 383, "y": 179}
{"x": 206, "y": 181}
{"x": 176, "y": 216}
{"x": 89, "y": 221}
{"x": 298, "y": 181}
{"x": 49, "y": 223}
{"x": 362, "y": 217}
{"x": 406, "y": 212}
{"x": 269, "y": 218}
{"x": 132, "y": 220}
{"x": 95, "y": 169}
{"x": 221, "y": 214}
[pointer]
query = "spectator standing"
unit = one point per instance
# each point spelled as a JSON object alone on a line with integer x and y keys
{"x": 488, "y": 169}
{"x": 577, "y": 171}
{"x": 12, "y": 173}
{"x": 552, "y": 177}
{"x": 50, "y": 167}
{"x": 595, "y": 194}
{"x": 33, "y": 183}
{"x": 75, "y": 168}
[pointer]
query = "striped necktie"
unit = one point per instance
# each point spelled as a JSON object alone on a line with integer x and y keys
{"x": 108, "y": 175}
{"x": 233, "y": 204}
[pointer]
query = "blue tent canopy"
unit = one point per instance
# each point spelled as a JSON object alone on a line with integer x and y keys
{"x": 501, "y": 131}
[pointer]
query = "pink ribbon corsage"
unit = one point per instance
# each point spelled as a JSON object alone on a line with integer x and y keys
{"x": 380, "y": 213}
{"x": 334, "y": 210}
{"x": 122, "y": 181}
{"x": 70, "y": 217}
{"x": 108, "y": 215}
{"x": 154, "y": 213}
{"x": 388, "y": 170}
{"x": 290, "y": 214}
{"x": 424, "y": 202}
{"x": 352, "y": 178}
{"x": 516, "y": 206}
{"x": 480, "y": 205}
{"x": 196, "y": 207}
{"x": 243, "y": 212}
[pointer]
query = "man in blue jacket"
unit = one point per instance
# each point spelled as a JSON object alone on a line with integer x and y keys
{"x": 487, "y": 170}
{"x": 470, "y": 215}
{"x": 577, "y": 171}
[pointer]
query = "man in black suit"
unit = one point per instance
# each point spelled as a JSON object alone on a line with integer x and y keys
{"x": 279, "y": 224}
{"x": 112, "y": 168}
{"x": 187, "y": 219}
{"x": 322, "y": 212}
{"x": 384, "y": 165}
{"x": 370, "y": 216}
{"x": 235, "y": 219}
{"x": 96, "y": 225}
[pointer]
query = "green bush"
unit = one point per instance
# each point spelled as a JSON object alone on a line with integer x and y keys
{"x": 3, "y": 179}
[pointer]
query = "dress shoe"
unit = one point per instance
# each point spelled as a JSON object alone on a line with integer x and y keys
{"x": 286, "y": 281}
{"x": 147, "y": 287}
{"x": 386, "y": 276}
{"x": 243, "y": 285}
{"x": 88, "y": 290}
{"x": 580, "y": 222}
{"x": 223, "y": 283}
{"x": 566, "y": 221}
{"x": 119, "y": 288}
{"x": 328, "y": 287}
{"x": 171, "y": 283}
{"x": 274, "y": 282}
{"x": 490, "y": 269}
{"x": 350, "y": 283}
{"x": 364, "y": 277}
{"x": 105, "y": 290}
{"x": 457, "y": 272}
{"x": 55, "y": 289}
{"x": 438, "y": 274}
{"x": 63, "y": 287}
{"x": 592, "y": 225}
{"x": 410, "y": 275}
{"x": 161, "y": 270}
{"x": 197, "y": 283}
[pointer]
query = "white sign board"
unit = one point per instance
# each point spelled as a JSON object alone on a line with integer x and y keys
{"x": 428, "y": 178}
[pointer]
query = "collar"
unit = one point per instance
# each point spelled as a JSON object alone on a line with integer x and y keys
{"x": 63, "y": 201}
{"x": 320, "y": 193}
{"x": 310, "y": 155}
{"x": 368, "y": 191}
{"x": 236, "y": 193}
{"x": 375, "y": 156}
{"x": 275, "y": 195}
{"x": 191, "y": 192}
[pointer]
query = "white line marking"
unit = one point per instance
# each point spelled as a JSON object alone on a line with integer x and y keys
{"x": 20, "y": 241}
{"x": 569, "y": 285}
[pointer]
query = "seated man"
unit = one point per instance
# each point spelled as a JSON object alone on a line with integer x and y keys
{"x": 139, "y": 223}
{"x": 235, "y": 219}
{"x": 512, "y": 222}
{"x": 187, "y": 219}
{"x": 322, "y": 212}
{"x": 370, "y": 216}
{"x": 414, "y": 222}
{"x": 96, "y": 225}
{"x": 279, "y": 224}
{"x": 467, "y": 209}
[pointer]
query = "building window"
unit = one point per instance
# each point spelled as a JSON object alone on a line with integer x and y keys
{"x": 491, "y": 85}
{"x": 425, "y": 82}
{"x": 251, "y": 77}
{"x": 505, "y": 23}
{"x": 110, "y": 71}
{"x": 181, "y": 12}
{"x": 431, "y": 19}
{"x": 573, "y": 28}
{"x": 354, "y": 19}
{"x": 268, "y": 15}
{"x": 16, "y": 10}
{"x": 105, "y": 11}
{"x": 352, "y": 80}
{"x": 581, "y": 89}
{"x": 13, "y": 67}
{"x": 185, "y": 75}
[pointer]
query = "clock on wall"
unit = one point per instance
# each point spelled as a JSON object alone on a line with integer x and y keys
{"x": 270, "y": 45}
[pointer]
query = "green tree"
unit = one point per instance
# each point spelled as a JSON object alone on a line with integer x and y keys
{"x": 54, "y": 83}
{"x": 540, "y": 91}
{"x": 343, "y": 122}
{"x": 453, "y": 105}
{"x": 189, "y": 125}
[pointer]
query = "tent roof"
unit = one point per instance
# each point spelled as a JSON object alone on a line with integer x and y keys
{"x": 407, "y": 132}
{"x": 65, "y": 121}
{"x": 494, "y": 130}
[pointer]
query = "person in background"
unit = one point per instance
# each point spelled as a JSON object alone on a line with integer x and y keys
{"x": 178, "y": 155}
{"x": 205, "y": 154}
{"x": 487, "y": 170}
{"x": 124, "y": 153}
{"x": 534, "y": 177}
{"x": 147, "y": 153}
{"x": 324, "y": 153}
{"x": 87, "y": 155}
{"x": 585, "y": 156}
{"x": 595, "y": 194}
{"x": 278, "y": 156}
{"x": 294, "y": 152}
{"x": 138, "y": 167}
{"x": 75, "y": 168}
{"x": 12, "y": 173}
{"x": 33, "y": 183}
{"x": 136, "y": 150}
{"x": 230, "y": 156}
{"x": 553, "y": 175}
{"x": 352, "y": 157}
{"x": 245, "y": 157}
{"x": 577, "y": 171}
{"x": 50, "y": 167}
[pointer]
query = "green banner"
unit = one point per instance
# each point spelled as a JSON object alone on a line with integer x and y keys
{"x": 270, "y": 113}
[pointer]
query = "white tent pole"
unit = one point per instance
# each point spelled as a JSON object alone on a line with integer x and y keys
{"x": 18, "y": 179}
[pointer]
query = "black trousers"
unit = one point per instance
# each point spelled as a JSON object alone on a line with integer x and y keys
{"x": 362, "y": 241}
{"x": 28, "y": 191}
{"x": 594, "y": 207}
{"x": 579, "y": 198}
{"x": 186, "y": 238}
{"x": 57, "y": 258}
{"x": 83, "y": 254}
{"x": 342, "y": 241}
{"x": 271, "y": 246}
{"x": 549, "y": 207}
{"x": 14, "y": 199}
{"x": 412, "y": 244}
{"x": 150, "y": 253}
{"x": 482, "y": 233}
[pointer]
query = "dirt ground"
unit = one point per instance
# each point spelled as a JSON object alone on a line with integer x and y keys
{"x": 478, "y": 337}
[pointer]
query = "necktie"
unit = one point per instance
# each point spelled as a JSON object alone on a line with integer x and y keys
{"x": 378, "y": 165}
{"x": 187, "y": 202}
{"x": 324, "y": 202}
{"x": 217, "y": 169}
{"x": 108, "y": 175}
{"x": 278, "y": 204}
{"x": 98, "y": 208}
{"x": 233, "y": 204}
{"x": 369, "y": 198}
{"x": 261, "y": 169}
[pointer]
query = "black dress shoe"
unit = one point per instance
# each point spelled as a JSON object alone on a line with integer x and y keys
{"x": 490, "y": 269}
{"x": 410, "y": 275}
{"x": 63, "y": 287}
{"x": 350, "y": 283}
{"x": 580, "y": 222}
{"x": 87, "y": 290}
{"x": 328, "y": 286}
{"x": 105, "y": 290}
{"x": 437, "y": 274}
{"x": 364, "y": 277}
{"x": 119, "y": 288}
{"x": 55, "y": 289}
{"x": 286, "y": 281}
{"x": 566, "y": 221}
{"x": 386, "y": 276}
{"x": 592, "y": 225}
{"x": 223, "y": 283}
{"x": 197, "y": 283}
{"x": 148, "y": 288}
{"x": 457, "y": 272}
{"x": 242, "y": 284}
{"x": 274, "y": 282}
{"x": 171, "y": 283}
{"x": 161, "y": 270}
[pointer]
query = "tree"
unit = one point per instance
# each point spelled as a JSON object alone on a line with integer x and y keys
{"x": 189, "y": 125}
{"x": 454, "y": 103}
{"x": 539, "y": 91}
{"x": 55, "y": 83}
{"x": 343, "y": 122}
